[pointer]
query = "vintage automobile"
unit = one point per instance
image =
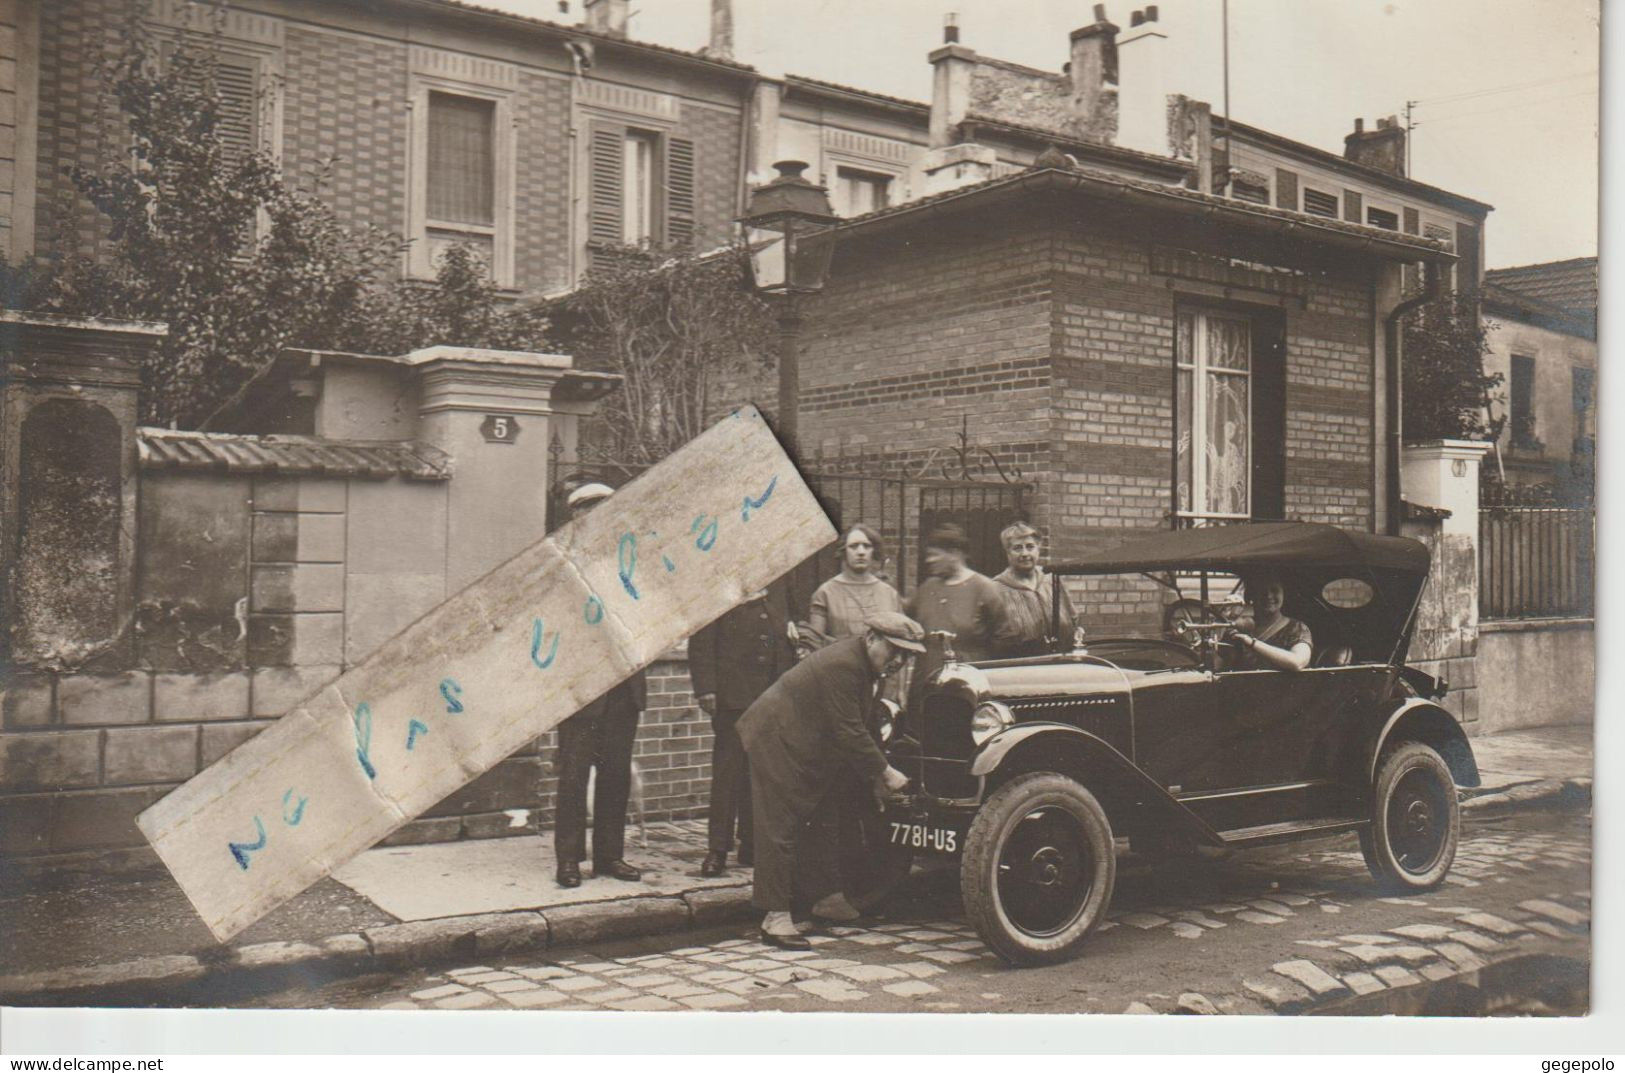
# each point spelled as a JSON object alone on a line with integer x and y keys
{"x": 1028, "y": 770}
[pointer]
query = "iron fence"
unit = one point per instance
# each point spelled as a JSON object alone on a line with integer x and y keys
{"x": 1536, "y": 561}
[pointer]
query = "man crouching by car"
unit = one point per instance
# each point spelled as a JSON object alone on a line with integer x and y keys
{"x": 800, "y": 735}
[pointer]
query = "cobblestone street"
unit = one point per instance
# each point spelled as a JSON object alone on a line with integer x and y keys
{"x": 1279, "y": 931}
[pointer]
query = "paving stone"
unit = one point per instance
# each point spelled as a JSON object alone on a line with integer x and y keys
{"x": 1366, "y": 940}
{"x": 591, "y": 966}
{"x": 1371, "y": 955}
{"x": 914, "y": 948}
{"x": 1327, "y": 907}
{"x": 643, "y": 1003}
{"x": 713, "y": 1001}
{"x": 1138, "y": 1007}
{"x": 545, "y": 972}
{"x": 1253, "y": 916}
{"x": 1461, "y": 881}
{"x": 1193, "y": 1002}
{"x": 790, "y": 955}
{"x": 1222, "y": 907}
{"x": 526, "y": 1000}
{"x": 620, "y": 971}
{"x": 443, "y": 991}
{"x": 613, "y": 994}
{"x": 728, "y": 943}
{"x": 1427, "y": 933}
{"x": 689, "y": 951}
{"x": 577, "y": 983}
{"x": 1141, "y": 920}
{"x": 486, "y": 977}
{"x": 1478, "y": 942}
{"x": 843, "y": 931}
{"x": 789, "y": 974}
{"x": 1397, "y": 976}
{"x": 925, "y": 935}
{"x": 1312, "y": 976}
{"x": 1463, "y": 958}
{"x": 1491, "y": 923}
{"x": 646, "y": 979}
{"x": 828, "y": 963}
{"x": 1275, "y": 994}
{"x": 748, "y": 985}
{"x": 919, "y": 968}
{"x": 1553, "y": 911}
{"x": 875, "y": 938}
{"x": 832, "y": 990}
{"x": 870, "y": 973}
{"x": 1546, "y": 927}
{"x": 718, "y": 976}
{"x": 1291, "y": 899}
{"x": 967, "y": 944}
{"x": 718, "y": 957}
{"x": 470, "y": 1000}
{"x": 894, "y": 927}
{"x": 948, "y": 957}
{"x": 503, "y": 986}
{"x": 1266, "y": 905}
{"x": 1363, "y": 983}
{"x": 1191, "y": 916}
{"x": 679, "y": 991}
{"x": 754, "y": 965}
{"x": 1437, "y": 970}
{"x": 654, "y": 962}
{"x": 1324, "y": 944}
{"x": 1186, "y": 931}
{"x": 911, "y": 988}
{"x": 472, "y": 970}
{"x": 400, "y": 1006}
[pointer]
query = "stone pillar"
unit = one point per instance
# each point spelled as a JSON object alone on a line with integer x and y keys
{"x": 491, "y": 410}
{"x": 68, "y": 411}
{"x": 1440, "y": 482}
{"x": 1444, "y": 474}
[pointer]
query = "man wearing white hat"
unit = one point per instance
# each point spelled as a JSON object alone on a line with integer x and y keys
{"x": 600, "y": 735}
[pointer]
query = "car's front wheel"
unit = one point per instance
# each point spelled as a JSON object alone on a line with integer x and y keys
{"x": 1038, "y": 868}
{"x": 1410, "y": 843}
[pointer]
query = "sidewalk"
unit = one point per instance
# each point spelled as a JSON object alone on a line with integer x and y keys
{"x": 397, "y": 905}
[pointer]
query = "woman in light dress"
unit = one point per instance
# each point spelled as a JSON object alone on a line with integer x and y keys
{"x": 842, "y": 603}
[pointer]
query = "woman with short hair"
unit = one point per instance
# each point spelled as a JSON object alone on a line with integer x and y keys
{"x": 1277, "y": 642}
{"x": 841, "y": 604}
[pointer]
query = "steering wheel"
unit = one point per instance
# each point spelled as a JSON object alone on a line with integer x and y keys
{"x": 1187, "y": 621}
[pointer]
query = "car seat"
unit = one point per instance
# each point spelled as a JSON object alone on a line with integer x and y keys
{"x": 1335, "y": 656}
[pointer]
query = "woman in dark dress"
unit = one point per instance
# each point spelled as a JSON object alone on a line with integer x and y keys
{"x": 1277, "y": 642}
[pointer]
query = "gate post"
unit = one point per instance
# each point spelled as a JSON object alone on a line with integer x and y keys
{"x": 1440, "y": 479}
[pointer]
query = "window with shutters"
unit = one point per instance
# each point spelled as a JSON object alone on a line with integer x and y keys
{"x": 462, "y": 176}
{"x": 858, "y": 192}
{"x": 1388, "y": 221}
{"x": 1319, "y": 203}
{"x": 640, "y": 188}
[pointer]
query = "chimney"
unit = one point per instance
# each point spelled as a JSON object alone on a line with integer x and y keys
{"x": 1383, "y": 148}
{"x": 1093, "y": 71}
{"x": 1142, "y": 90}
{"x": 607, "y": 16}
{"x": 952, "y": 65}
{"x": 722, "y": 30}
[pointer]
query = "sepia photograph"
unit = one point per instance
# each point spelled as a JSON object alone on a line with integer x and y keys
{"x": 556, "y": 507}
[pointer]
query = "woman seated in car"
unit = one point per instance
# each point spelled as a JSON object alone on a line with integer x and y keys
{"x": 1276, "y": 642}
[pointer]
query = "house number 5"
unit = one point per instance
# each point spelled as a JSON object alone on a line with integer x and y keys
{"x": 499, "y": 428}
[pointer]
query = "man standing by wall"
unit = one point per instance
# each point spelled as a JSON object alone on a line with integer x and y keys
{"x": 600, "y": 735}
{"x": 732, "y": 661}
{"x": 1025, "y": 589}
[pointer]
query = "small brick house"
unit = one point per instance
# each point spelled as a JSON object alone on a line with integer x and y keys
{"x": 1148, "y": 355}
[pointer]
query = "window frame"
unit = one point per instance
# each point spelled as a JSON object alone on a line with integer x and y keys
{"x": 652, "y": 208}
{"x": 419, "y": 255}
{"x": 883, "y": 180}
{"x": 1527, "y": 438}
{"x": 1200, "y": 367}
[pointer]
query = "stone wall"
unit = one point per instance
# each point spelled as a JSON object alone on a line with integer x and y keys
{"x": 1536, "y": 672}
{"x": 1445, "y": 637}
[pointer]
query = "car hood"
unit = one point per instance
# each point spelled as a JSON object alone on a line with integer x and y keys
{"x": 1049, "y": 676}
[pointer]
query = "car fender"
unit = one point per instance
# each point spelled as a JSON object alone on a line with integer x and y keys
{"x": 1132, "y": 789}
{"x": 1422, "y": 720}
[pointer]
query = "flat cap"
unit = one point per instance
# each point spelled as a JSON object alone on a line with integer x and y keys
{"x": 587, "y": 493}
{"x": 897, "y": 628}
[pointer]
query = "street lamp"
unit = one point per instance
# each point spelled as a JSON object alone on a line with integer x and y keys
{"x": 789, "y": 236}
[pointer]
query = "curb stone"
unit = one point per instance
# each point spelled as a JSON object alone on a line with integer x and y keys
{"x": 572, "y": 925}
{"x": 1573, "y": 793}
{"x": 149, "y": 971}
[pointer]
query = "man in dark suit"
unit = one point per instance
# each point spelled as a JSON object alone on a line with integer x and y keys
{"x": 600, "y": 735}
{"x": 732, "y": 661}
{"x": 802, "y": 734}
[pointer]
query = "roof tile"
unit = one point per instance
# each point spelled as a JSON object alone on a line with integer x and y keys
{"x": 218, "y": 452}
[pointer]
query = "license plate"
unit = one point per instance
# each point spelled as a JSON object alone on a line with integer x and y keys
{"x": 925, "y": 837}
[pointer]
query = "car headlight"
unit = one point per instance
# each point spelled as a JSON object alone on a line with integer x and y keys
{"x": 988, "y": 719}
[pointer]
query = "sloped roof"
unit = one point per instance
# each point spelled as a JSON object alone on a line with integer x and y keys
{"x": 290, "y": 456}
{"x": 1503, "y": 301}
{"x": 1569, "y": 285}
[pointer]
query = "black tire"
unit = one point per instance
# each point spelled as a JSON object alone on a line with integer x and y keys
{"x": 1038, "y": 869}
{"x": 1410, "y": 843}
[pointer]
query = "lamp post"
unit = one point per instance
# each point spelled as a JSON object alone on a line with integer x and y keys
{"x": 788, "y": 231}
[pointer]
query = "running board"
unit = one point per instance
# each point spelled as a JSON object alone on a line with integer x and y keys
{"x": 1290, "y": 831}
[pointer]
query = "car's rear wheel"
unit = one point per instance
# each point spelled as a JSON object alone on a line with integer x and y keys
{"x": 1038, "y": 869}
{"x": 1410, "y": 843}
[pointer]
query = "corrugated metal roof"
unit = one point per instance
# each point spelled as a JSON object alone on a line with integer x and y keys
{"x": 1570, "y": 285}
{"x": 291, "y": 456}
